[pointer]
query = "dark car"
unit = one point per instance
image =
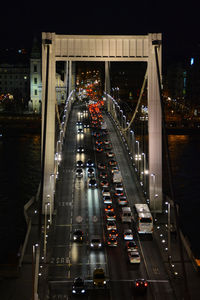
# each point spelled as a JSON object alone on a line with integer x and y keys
{"x": 140, "y": 286}
{"x": 78, "y": 287}
{"x": 92, "y": 183}
{"x": 78, "y": 235}
{"x": 79, "y": 163}
{"x": 90, "y": 163}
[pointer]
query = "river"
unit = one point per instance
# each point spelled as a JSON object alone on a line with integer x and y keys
{"x": 20, "y": 176}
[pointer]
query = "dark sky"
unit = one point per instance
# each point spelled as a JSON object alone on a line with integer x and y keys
{"x": 178, "y": 21}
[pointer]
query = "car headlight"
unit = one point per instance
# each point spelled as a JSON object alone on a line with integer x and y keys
{"x": 104, "y": 282}
{"x": 92, "y": 245}
{"x": 82, "y": 291}
{"x": 75, "y": 237}
{"x": 100, "y": 245}
{"x": 73, "y": 291}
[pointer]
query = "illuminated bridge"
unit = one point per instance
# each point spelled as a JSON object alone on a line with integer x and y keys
{"x": 67, "y": 203}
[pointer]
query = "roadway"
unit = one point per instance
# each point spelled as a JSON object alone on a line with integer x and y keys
{"x": 78, "y": 207}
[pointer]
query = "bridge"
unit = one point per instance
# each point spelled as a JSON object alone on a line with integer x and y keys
{"x": 67, "y": 203}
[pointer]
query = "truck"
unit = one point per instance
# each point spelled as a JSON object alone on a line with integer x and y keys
{"x": 126, "y": 215}
{"x": 117, "y": 177}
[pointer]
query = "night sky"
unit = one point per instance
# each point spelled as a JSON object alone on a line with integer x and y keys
{"x": 178, "y": 21}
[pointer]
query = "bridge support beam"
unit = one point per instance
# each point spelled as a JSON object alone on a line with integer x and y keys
{"x": 155, "y": 127}
{"x": 48, "y": 40}
{"x": 107, "y": 84}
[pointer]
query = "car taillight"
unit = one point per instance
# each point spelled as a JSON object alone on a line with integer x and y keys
{"x": 146, "y": 284}
{"x": 137, "y": 284}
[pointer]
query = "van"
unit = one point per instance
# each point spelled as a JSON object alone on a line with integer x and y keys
{"x": 126, "y": 215}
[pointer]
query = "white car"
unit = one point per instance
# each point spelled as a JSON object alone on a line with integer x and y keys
{"x": 106, "y": 192}
{"x": 134, "y": 257}
{"x": 128, "y": 234}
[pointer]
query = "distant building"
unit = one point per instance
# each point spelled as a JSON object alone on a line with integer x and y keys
{"x": 21, "y": 76}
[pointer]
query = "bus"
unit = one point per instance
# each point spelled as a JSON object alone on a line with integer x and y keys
{"x": 143, "y": 219}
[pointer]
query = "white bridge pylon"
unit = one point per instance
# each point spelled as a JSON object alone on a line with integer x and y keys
{"x": 103, "y": 48}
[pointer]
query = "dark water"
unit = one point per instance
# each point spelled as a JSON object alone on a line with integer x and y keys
{"x": 20, "y": 176}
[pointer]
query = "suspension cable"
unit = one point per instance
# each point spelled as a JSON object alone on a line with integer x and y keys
{"x": 138, "y": 103}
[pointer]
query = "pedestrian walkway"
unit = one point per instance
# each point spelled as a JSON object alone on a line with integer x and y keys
{"x": 173, "y": 264}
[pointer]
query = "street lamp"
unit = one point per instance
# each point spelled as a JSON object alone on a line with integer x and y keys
{"x": 154, "y": 193}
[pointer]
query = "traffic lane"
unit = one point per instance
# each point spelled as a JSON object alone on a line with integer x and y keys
{"x": 157, "y": 274}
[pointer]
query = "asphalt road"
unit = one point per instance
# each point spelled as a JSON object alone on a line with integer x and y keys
{"x": 79, "y": 207}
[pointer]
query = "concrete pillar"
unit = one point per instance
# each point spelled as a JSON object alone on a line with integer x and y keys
{"x": 50, "y": 128}
{"x": 155, "y": 129}
{"x": 107, "y": 83}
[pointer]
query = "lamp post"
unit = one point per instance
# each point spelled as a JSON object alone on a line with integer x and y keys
{"x": 154, "y": 193}
{"x": 137, "y": 155}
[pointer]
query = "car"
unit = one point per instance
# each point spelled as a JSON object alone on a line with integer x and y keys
{"x": 118, "y": 192}
{"x": 99, "y": 278}
{"x": 80, "y": 149}
{"x": 110, "y": 216}
{"x": 90, "y": 172}
{"x": 78, "y": 235}
{"x": 78, "y": 287}
{"x": 95, "y": 242}
{"x": 128, "y": 234}
{"x": 79, "y": 163}
{"x": 80, "y": 130}
{"x": 107, "y": 200}
{"x": 108, "y": 147}
{"x": 134, "y": 257}
{"x": 119, "y": 186}
{"x": 90, "y": 163}
{"x": 113, "y": 233}
{"x": 99, "y": 142}
{"x": 101, "y": 166}
{"x": 111, "y": 225}
{"x": 108, "y": 207}
{"x": 112, "y": 241}
{"x": 112, "y": 162}
{"x": 114, "y": 169}
{"x": 140, "y": 285}
{"x": 110, "y": 154}
{"x": 86, "y": 124}
{"x": 122, "y": 201}
{"x": 107, "y": 142}
{"x": 79, "y": 172}
{"x": 131, "y": 246}
{"x": 99, "y": 149}
{"x": 106, "y": 192}
{"x": 103, "y": 175}
{"x": 104, "y": 183}
{"x": 92, "y": 183}
{"x": 79, "y": 123}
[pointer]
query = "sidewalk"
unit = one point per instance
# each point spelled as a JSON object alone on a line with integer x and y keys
{"x": 174, "y": 267}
